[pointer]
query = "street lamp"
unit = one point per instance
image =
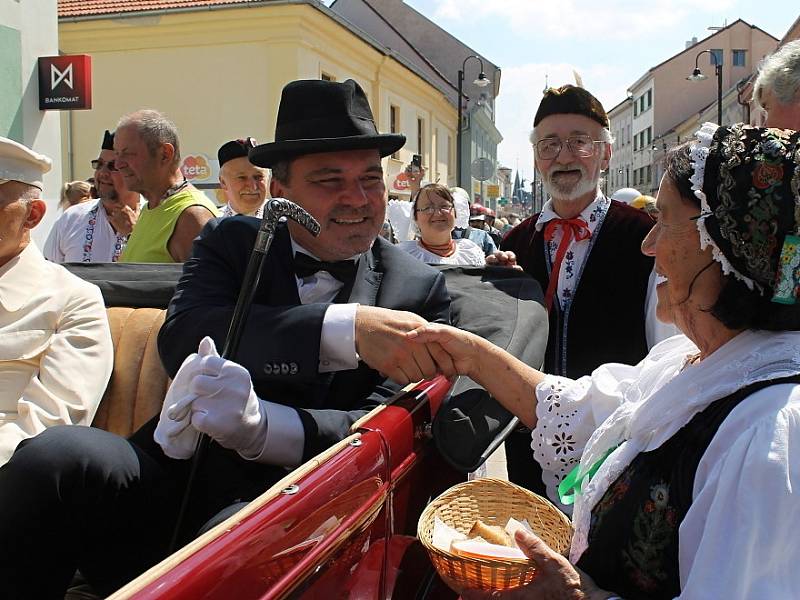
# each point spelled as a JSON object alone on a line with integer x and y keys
{"x": 482, "y": 81}
{"x": 697, "y": 75}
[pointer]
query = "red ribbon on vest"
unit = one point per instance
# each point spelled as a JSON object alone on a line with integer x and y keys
{"x": 570, "y": 228}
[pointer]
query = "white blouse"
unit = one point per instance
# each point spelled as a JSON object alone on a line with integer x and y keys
{"x": 739, "y": 537}
{"x": 467, "y": 253}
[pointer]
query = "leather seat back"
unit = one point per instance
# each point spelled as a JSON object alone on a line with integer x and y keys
{"x": 138, "y": 383}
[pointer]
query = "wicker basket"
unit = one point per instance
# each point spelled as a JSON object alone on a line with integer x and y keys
{"x": 493, "y": 501}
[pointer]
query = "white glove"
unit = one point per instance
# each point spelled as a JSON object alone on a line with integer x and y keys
{"x": 176, "y": 436}
{"x": 221, "y": 402}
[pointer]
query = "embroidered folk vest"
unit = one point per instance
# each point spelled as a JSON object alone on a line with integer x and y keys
{"x": 633, "y": 539}
{"x": 605, "y": 322}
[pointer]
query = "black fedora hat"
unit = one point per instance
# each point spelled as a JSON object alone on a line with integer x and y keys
{"x": 323, "y": 116}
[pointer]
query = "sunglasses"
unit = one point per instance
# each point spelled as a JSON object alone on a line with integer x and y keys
{"x": 98, "y": 164}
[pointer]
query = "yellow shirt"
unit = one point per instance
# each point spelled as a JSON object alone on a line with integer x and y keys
{"x": 148, "y": 240}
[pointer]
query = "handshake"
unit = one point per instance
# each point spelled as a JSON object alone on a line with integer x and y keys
{"x": 215, "y": 396}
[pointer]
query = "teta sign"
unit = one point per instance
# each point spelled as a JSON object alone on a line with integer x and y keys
{"x": 65, "y": 82}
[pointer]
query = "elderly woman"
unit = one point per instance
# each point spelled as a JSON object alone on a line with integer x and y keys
{"x": 682, "y": 467}
{"x": 433, "y": 211}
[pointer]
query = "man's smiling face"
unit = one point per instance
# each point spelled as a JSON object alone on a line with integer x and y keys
{"x": 345, "y": 192}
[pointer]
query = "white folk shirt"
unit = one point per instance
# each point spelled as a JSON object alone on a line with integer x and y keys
{"x": 576, "y": 256}
{"x": 227, "y": 211}
{"x": 467, "y": 253}
{"x": 577, "y": 252}
{"x": 738, "y": 539}
{"x": 83, "y": 233}
{"x": 56, "y": 353}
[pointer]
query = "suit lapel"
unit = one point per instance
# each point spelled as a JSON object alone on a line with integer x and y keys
{"x": 279, "y": 280}
{"x": 368, "y": 278}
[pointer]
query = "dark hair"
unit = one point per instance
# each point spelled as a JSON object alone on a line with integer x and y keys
{"x": 737, "y": 307}
{"x": 280, "y": 171}
{"x": 437, "y": 189}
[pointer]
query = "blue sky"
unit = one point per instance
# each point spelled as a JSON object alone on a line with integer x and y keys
{"x": 611, "y": 44}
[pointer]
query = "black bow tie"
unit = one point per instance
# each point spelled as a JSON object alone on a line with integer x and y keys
{"x": 305, "y": 266}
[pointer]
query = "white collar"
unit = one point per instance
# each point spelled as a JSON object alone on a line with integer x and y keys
{"x": 22, "y": 277}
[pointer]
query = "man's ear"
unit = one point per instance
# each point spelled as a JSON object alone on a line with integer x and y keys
{"x": 36, "y": 211}
{"x": 606, "y": 157}
{"x": 276, "y": 189}
{"x": 222, "y": 183}
{"x": 167, "y": 152}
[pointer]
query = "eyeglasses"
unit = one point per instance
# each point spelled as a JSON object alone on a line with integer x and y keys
{"x": 429, "y": 210}
{"x": 98, "y": 164}
{"x": 579, "y": 145}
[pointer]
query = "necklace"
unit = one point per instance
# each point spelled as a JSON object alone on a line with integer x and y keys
{"x": 444, "y": 250}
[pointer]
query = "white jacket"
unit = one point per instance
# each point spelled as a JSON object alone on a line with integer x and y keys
{"x": 56, "y": 353}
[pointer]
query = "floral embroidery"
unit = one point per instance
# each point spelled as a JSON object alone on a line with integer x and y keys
{"x": 563, "y": 442}
{"x": 766, "y": 175}
{"x": 653, "y": 530}
{"x": 613, "y": 495}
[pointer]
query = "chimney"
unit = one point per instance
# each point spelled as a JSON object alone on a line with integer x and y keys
{"x": 691, "y": 42}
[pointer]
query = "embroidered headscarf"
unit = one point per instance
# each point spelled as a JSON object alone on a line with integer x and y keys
{"x": 748, "y": 182}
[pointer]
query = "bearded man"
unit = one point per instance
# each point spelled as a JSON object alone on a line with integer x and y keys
{"x": 584, "y": 250}
{"x": 97, "y": 231}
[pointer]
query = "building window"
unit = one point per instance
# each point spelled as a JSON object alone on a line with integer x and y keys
{"x": 394, "y": 124}
{"x": 629, "y": 134}
{"x": 649, "y": 98}
{"x": 716, "y": 55}
{"x": 649, "y": 134}
{"x": 641, "y": 104}
{"x": 635, "y": 142}
{"x": 649, "y": 173}
{"x": 327, "y": 77}
{"x": 739, "y": 58}
{"x": 421, "y": 137}
{"x": 635, "y": 109}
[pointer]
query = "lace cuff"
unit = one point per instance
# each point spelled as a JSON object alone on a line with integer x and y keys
{"x": 564, "y": 423}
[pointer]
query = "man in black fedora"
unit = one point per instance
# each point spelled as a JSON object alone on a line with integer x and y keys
{"x": 324, "y": 332}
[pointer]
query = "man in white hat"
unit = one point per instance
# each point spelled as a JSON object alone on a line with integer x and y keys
{"x": 56, "y": 353}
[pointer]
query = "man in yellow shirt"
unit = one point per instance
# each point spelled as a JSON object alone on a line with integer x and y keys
{"x": 148, "y": 158}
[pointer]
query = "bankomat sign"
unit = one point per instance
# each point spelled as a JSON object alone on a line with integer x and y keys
{"x": 65, "y": 82}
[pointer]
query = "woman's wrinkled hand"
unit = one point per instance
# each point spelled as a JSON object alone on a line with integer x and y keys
{"x": 556, "y": 578}
{"x": 456, "y": 352}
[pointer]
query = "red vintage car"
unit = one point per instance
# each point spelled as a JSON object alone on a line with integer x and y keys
{"x": 343, "y": 525}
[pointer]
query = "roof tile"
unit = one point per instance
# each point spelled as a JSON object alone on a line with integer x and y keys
{"x": 82, "y": 8}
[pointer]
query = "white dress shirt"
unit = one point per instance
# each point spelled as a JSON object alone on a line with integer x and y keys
{"x": 337, "y": 352}
{"x": 56, "y": 353}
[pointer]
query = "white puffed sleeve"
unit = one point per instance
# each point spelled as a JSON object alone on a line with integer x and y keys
{"x": 739, "y": 537}
{"x": 568, "y": 411}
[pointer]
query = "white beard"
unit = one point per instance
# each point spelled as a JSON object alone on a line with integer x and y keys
{"x": 573, "y": 191}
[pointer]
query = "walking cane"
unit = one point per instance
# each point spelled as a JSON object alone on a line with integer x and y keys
{"x": 274, "y": 210}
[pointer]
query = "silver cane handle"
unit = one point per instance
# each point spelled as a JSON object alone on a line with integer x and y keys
{"x": 276, "y": 208}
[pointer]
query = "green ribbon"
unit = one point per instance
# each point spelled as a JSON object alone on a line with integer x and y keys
{"x": 572, "y": 485}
